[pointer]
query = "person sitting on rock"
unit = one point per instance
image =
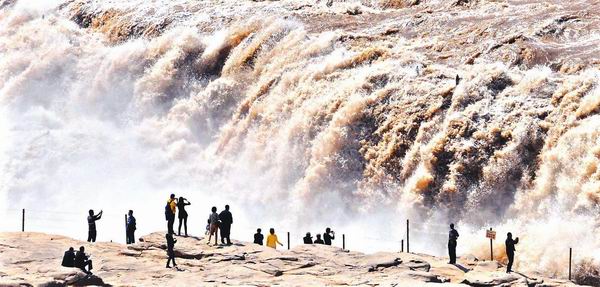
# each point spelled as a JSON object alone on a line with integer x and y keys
{"x": 272, "y": 240}
{"x": 82, "y": 261}
{"x": 308, "y": 238}
{"x": 69, "y": 258}
{"x": 319, "y": 240}
{"x": 170, "y": 249}
{"x": 258, "y": 237}
{"x": 328, "y": 236}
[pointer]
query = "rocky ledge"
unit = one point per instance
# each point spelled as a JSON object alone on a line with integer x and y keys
{"x": 34, "y": 259}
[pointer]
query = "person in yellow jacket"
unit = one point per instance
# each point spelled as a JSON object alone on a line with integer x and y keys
{"x": 172, "y": 203}
{"x": 272, "y": 240}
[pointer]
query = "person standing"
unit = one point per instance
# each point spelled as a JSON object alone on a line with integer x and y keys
{"x": 183, "y": 215}
{"x": 258, "y": 237}
{"x": 170, "y": 212}
{"x": 131, "y": 227}
{"x": 510, "y": 251}
{"x": 328, "y": 236}
{"x": 272, "y": 240}
{"x": 170, "y": 249}
{"x": 452, "y": 238}
{"x": 91, "y": 219}
{"x": 213, "y": 220}
{"x": 226, "y": 219}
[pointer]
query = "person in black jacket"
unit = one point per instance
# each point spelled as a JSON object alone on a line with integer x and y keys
{"x": 170, "y": 249}
{"x": 319, "y": 240}
{"x": 183, "y": 215}
{"x": 258, "y": 237}
{"x": 131, "y": 227}
{"x": 82, "y": 261}
{"x": 308, "y": 238}
{"x": 452, "y": 237}
{"x": 510, "y": 251}
{"x": 226, "y": 220}
{"x": 91, "y": 219}
{"x": 69, "y": 258}
{"x": 328, "y": 236}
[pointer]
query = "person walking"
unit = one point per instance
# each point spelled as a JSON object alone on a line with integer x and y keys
{"x": 308, "y": 238}
{"x": 272, "y": 240}
{"x": 328, "y": 236}
{"x": 131, "y": 227}
{"x": 183, "y": 215}
{"x": 213, "y": 218}
{"x": 170, "y": 209}
{"x": 510, "y": 251}
{"x": 258, "y": 237}
{"x": 226, "y": 219}
{"x": 91, "y": 219}
{"x": 452, "y": 237}
{"x": 82, "y": 261}
{"x": 319, "y": 240}
{"x": 170, "y": 249}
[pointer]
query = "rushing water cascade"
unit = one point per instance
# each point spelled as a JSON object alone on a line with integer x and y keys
{"x": 301, "y": 116}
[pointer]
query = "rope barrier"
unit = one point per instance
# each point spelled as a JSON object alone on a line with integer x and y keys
{"x": 42, "y": 219}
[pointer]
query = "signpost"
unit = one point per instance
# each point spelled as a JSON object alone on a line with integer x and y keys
{"x": 491, "y": 235}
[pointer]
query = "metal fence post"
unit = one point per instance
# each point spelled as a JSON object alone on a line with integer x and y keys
{"x": 126, "y": 237}
{"x": 407, "y": 237}
{"x": 570, "y": 257}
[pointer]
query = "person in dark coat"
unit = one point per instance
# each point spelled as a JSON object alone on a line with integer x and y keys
{"x": 452, "y": 238}
{"x": 69, "y": 258}
{"x": 328, "y": 236}
{"x": 510, "y": 251}
{"x": 91, "y": 219}
{"x": 308, "y": 238}
{"x": 258, "y": 237}
{"x": 319, "y": 240}
{"x": 182, "y": 214}
{"x": 170, "y": 249}
{"x": 131, "y": 227}
{"x": 82, "y": 261}
{"x": 226, "y": 220}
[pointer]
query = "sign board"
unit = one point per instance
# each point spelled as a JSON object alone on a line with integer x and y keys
{"x": 490, "y": 234}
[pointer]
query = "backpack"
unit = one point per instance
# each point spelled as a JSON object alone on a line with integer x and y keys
{"x": 168, "y": 211}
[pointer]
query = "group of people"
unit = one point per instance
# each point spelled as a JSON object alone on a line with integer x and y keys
{"x": 509, "y": 243}
{"x": 216, "y": 221}
{"x": 222, "y": 221}
{"x": 219, "y": 221}
{"x": 173, "y": 205}
{"x": 92, "y": 232}
{"x": 272, "y": 240}
{"x": 79, "y": 260}
{"x": 328, "y": 236}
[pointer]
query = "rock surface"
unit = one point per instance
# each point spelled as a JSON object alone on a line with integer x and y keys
{"x": 34, "y": 259}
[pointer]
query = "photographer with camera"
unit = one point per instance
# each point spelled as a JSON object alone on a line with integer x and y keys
{"x": 328, "y": 236}
{"x": 183, "y": 215}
